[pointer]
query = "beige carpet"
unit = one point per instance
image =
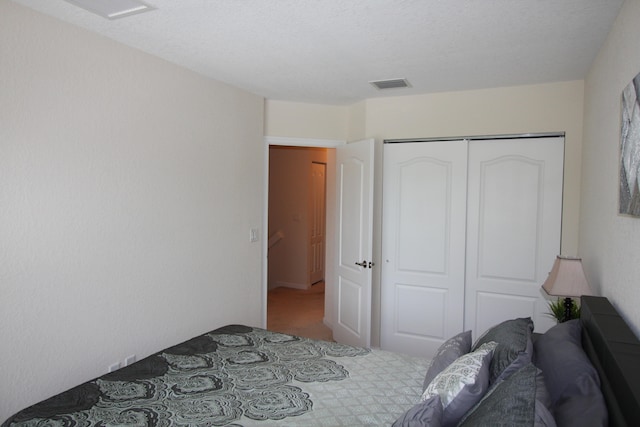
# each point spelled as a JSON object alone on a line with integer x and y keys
{"x": 298, "y": 312}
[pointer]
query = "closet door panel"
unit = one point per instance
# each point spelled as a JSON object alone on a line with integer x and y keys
{"x": 510, "y": 189}
{"x": 423, "y": 195}
{"x": 420, "y": 310}
{"x": 495, "y": 307}
{"x": 513, "y": 236}
{"x": 422, "y": 290}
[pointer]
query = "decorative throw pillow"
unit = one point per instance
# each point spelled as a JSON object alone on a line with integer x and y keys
{"x": 449, "y": 351}
{"x": 427, "y": 413}
{"x": 512, "y": 402}
{"x": 462, "y": 384}
{"x": 514, "y": 350}
{"x": 572, "y": 381}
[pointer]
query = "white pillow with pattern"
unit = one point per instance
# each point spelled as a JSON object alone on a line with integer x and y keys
{"x": 462, "y": 384}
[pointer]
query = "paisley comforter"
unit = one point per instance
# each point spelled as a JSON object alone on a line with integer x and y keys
{"x": 242, "y": 376}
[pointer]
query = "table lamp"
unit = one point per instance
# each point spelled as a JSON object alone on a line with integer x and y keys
{"x": 567, "y": 279}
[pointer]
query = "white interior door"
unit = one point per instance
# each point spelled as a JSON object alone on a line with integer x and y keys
{"x": 317, "y": 223}
{"x": 513, "y": 229}
{"x": 354, "y": 186}
{"x": 424, "y": 209}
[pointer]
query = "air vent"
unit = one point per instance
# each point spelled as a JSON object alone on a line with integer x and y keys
{"x": 390, "y": 84}
{"x": 112, "y": 9}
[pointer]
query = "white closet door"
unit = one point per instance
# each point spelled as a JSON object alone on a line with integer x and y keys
{"x": 423, "y": 241}
{"x": 513, "y": 229}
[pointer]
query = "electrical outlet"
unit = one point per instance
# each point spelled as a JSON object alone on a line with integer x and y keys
{"x": 129, "y": 360}
{"x": 113, "y": 367}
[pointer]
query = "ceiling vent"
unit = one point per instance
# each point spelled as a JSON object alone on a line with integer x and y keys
{"x": 390, "y": 84}
{"x": 112, "y": 9}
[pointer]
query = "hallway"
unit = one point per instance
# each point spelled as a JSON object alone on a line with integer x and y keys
{"x": 298, "y": 312}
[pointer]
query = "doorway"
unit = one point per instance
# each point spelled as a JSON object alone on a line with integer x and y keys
{"x": 297, "y": 240}
{"x": 349, "y": 302}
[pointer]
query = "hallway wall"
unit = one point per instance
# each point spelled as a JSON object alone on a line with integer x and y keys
{"x": 289, "y": 199}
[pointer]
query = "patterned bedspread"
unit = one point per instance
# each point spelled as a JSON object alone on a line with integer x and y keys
{"x": 242, "y": 376}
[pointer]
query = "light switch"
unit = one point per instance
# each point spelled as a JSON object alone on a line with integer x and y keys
{"x": 253, "y": 235}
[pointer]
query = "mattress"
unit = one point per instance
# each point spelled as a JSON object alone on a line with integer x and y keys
{"x": 243, "y": 376}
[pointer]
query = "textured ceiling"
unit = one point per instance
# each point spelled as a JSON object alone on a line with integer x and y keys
{"x": 326, "y": 51}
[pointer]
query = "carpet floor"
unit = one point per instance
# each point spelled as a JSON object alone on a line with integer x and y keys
{"x": 298, "y": 312}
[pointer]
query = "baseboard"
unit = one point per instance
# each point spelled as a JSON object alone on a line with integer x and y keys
{"x": 278, "y": 284}
{"x": 327, "y": 323}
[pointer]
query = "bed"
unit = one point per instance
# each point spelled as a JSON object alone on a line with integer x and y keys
{"x": 244, "y": 376}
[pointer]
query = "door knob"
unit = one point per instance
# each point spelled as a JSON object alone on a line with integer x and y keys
{"x": 362, "y": 264}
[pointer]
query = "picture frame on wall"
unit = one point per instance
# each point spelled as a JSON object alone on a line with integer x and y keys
{"x": 629, "y": 200}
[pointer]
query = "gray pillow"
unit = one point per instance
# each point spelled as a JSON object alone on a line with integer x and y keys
{"x": 543, "y": 417}
{"x": 572, "y": 381}
{"x": 427, "y": 413}
{"x": 512, "y": 402}
{"x": 542, "y": 394}
{"x": 449, "y": 351}
{"x": 462, "y": 384}
{"x": 514, "y": 350}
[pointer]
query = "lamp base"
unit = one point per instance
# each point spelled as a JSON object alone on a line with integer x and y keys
{"x": 568, "y": 308}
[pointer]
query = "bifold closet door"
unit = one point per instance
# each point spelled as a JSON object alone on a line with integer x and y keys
{"x": 470, "y": 232}
{"x": 423, "y": 254}
{"x": 514, "y": 214}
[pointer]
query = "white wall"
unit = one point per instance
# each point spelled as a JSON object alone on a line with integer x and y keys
{"x": 609, "y": 243}
{"x": 300, "y": 120}
{"x": 127, "y": 189}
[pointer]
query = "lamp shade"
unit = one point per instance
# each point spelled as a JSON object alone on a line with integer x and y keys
{"x": 567, "y": 278}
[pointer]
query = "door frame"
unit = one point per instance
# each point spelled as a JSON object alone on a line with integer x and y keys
{"x": 313, "y": 197}
{"x": 330, "y": 221}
